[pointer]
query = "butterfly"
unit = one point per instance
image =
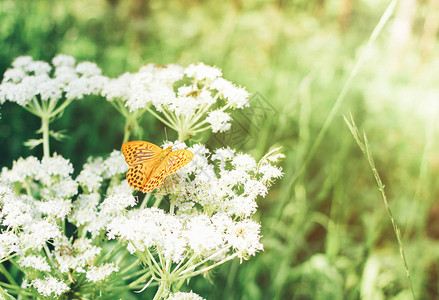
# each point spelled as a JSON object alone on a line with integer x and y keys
{"x": 149, "y": 164}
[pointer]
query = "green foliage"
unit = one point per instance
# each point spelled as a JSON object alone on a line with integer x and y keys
{"x": 326, "y": 231}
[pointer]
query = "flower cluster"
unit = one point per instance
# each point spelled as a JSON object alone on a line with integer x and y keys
{"x": 36, "y": 201}
{"x": 70, "y": 235}
{"x": 221, "y": 181}
{"x": 28, "y": 79}
{"x": 46, "y": 90}
{"x": 190, "y": 100}
{"x": 211, "y": 202}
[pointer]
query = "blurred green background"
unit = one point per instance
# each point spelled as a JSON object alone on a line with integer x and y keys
{"x": 326, "y": 232}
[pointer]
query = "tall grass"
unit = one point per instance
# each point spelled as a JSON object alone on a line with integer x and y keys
{"x": 365, "y": 148}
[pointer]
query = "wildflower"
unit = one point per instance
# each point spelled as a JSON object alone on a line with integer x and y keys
{"x": 91, "y": 175}
{"x": 99, "y": 273}
{"x": 28, "y": 79}
{"x": 21, "y": 169}
{"x": 56, "y": 165}
{"x": 36, "y": 262}
{"x": 58, "y": 208}
{"x": 236, "y": 97}
{"x": 62, "y": 60}
{"x": 184, "y": 296}
{"x": 50, "y": 286}
{"x": 201, "y": 71}
{"x": 35, "y": 235}
{"x": 9, "y": 243}
{"x": 219, "y": 120}
{"x": 244, "y": 237}
{"x": 75, "y": 256}
{"x": 117, "y": 202}
{"x": 115, "y": 164}
{"x": 197, "y": 103}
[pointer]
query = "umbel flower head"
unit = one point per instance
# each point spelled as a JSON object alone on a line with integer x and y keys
{"x": 209, "y": 221}
{"x": 28, "y": 79}
{"x": 189, "y": 100}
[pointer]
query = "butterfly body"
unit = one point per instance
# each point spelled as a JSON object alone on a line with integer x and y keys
{"x": 149, "y": 164}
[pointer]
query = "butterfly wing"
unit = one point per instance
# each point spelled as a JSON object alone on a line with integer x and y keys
{"x": 177, "y": 159}
{"x": 137, "y": 175}
{"x": 156, "y": 178}
{"x": 173, "y": 162}
{"x": 143, "y": 159}
{"x": 137, "y": 152}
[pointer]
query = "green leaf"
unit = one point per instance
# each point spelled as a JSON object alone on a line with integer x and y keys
{"x": 32, "y": 143}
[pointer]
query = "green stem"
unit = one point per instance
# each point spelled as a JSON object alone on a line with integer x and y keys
{"x": 60, "y": 108}
{"x": 140, "y": 280}
{"x": 193, "y": 267}
{"x": 45, "y": 129}
{"x": 365, "y": 148}
{"x": 206, "y": 268}
{"x": 201, "y": 129}
{"x": 163, "y": 288}
{"x": 127, "y": 131}
{"x": 161, "y": 119}
{"x": 8, "y": 275}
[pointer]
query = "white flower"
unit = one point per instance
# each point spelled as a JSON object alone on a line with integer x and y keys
{"x": 146, "y": 90}
{"x": 150, "y": 227}
{"x": 269, "y": 172}
{"x": 255, "y": 188}
{"x": 29, "y": 79}
{"x": 38, "y": 68}
{"x": 15, "y": 212}
{"x": 50, "y": 286}
{"x": 99, "y": 273}
{"x": 22, "y": 61}
{"x": 91, "y": 175}
{"x": 38, "y": 233}
{"x": 50, "y": 89}
{"x": 63, "y": 60}
{"x": 14, "y": 75}
{"x": 65, "y": 75}
{"x": 201, "y": 71}
{"x": 76, "y": 256}
{"x": 202, "y": 235}
{"x": 88, "y": 69}
{"x": 219, "y": 120}
{"x": 58, "y": 208}
{"x": 6, "y": 91}
{"x": 117, "y": 202}
{"x": 115, "y": 164}
{"x": 244, "y": 162}
{"x": 223, "y": 155}
{"x": 33, "y": 261}
{"x": 122, "y": 188}
{"x": 242, "y": 206}
{"x": 236, "y": 97}
{"x": 77, "y": 88}
{"x": 21, "y": 169}
{"x": 65, "y": 188}
{"x": 244, "y": 237}
{"x": 118, "y": 88}
{"x": 84, "y": 209}
{"x": 184, "y": 296}
{"x": 9, "y": 243}
{"x": 56, "y": 166}
{"x": 185, "y": 106}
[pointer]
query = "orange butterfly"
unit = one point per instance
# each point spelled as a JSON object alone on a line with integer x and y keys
{"x": 150, "y": 164}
